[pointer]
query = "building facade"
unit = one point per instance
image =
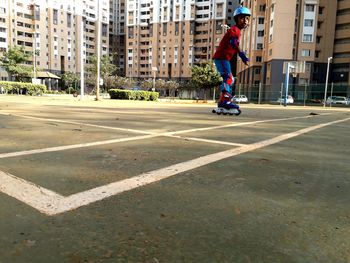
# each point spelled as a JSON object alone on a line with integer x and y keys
{"x": 165, "y": 37}
{"x": 297, "y": 30}
{"x": 62, "y": 34}
{"x": 117, "y": 28}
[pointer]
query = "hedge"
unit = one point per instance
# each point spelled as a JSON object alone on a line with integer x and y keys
{"x": 120, "y": 94}
{"x": 24, "y": 88}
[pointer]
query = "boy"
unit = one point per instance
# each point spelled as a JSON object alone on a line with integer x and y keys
{"x": 229, "y": 46}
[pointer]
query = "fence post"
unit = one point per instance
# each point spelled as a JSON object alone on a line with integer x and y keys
{"x": 239, "y": 93}
{"x": 259, "y": 99}
{"x": 305, "y": 95}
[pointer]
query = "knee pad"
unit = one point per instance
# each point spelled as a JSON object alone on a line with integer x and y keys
{"x": 229, "y": 80}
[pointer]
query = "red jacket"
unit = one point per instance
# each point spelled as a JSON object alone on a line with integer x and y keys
{"x": 225, "y": 49}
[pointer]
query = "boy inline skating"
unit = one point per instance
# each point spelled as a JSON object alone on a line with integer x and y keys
{"x": 229, "y": 46}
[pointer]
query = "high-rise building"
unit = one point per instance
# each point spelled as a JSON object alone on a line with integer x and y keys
{"x": 297, "y": 30}
{"x": 117, "y": 33}
{"x": 166, "y": 37}
{"x": 63, "y": 33}
{"x": 341, "y": 49}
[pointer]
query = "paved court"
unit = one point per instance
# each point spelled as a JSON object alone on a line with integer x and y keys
{"x": 116, "y": 181}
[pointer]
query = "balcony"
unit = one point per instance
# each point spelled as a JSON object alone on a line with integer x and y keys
{"x": 341, "y": 34}
{"x": 343, "y": 5}
{"x": 343, "y": 19}
{"x": 342, "y": 48}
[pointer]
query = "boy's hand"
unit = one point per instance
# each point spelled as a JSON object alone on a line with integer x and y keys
{"x": 244, "y": 57}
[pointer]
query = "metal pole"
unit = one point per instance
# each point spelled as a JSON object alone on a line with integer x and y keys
{"x": 34, "y": 55}
{"x": 330, "y": 104}
{"x": 260, "y": 87}
{"x": 286, "y": 84}
{"x": 98, "y": 51}
{"x": 281, "y": 93}
{"x": 326, "y": 86}
{"x": 305, "y": 95}
{"x": 154, "y": 81}
{"x": 82, "y": 60}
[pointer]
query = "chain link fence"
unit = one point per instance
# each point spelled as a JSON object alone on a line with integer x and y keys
{"x": 302, "y": 94}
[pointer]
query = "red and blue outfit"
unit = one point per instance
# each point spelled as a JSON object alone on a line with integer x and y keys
{"x": 224, "y": 53}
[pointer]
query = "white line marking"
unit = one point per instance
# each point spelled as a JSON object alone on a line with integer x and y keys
{"x": 51, "y": 203}
{"x": 209, "y": 141}
{"x": 31, "y": 194}
{"x": 74, "y": 146}
{"x": 76, "y": 123}
{"x": 151, "y": 135}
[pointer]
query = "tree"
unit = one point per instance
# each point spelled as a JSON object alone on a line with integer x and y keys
{"x": 147, "y": 84}
{"x": 172, "y": 86}
{"x": 107, "y": 68}
{"x": 70, "y": 79}
{"x": 160, "y": 85}
{"x": 12, "y": 61}
{"x": 205, "y": 76}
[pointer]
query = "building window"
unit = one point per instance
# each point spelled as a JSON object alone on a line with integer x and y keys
{"x": 306, "y": 53}
{"x": 55, "y": 17}
{"x": 261, "y": 20}
{"x": 258, "y": 59}
{"x": 307, "y": 38}
{"x": 261, "y": 33}
{"x": 69, "y": 20}
{"x": 310, "y": 8}
{"x": 320, "y": 10}
{"x": 259, "y": 46}
{"x": 309, "y": 22}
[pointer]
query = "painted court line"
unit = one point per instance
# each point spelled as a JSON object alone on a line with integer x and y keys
{"x": 50, "y": 203}
{"x": 152, "y": 135}
{"x": 76, "y": 123}
{"x": 209, "y": 141}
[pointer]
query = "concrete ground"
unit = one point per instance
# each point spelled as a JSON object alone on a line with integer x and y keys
{"x": 120, "y": 181}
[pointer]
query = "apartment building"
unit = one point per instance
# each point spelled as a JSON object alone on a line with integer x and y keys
{"x": 297, "y": 30}
{"x": 117, "y": 33}
{"x": 63, "y": 33}
{"x": 165, "y": 37}
{"x": 341, "y": 49}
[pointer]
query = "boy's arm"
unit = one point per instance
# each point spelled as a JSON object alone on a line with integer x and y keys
{"x": 235, "y": 44}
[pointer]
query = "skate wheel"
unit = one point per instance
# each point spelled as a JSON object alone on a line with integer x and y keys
{"x": 239, "y": 112}
{"x": 231, "y": 114}
{"x": 213, "y": 111}
{"x": 218, "y": 113}
{"x": 225, "y": 113}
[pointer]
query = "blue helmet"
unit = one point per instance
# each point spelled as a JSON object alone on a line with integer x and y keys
{"x": 242, "y": 11}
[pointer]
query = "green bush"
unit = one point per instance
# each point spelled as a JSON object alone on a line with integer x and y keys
{"x": 120, "y": 94}
{"x": 153, "y": 95}
{"x": 24, "y": 88}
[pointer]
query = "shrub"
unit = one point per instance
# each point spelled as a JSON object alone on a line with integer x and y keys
{"x": 133, "y": 94}
{"x": 24, "y": 88}
{"x": 153, "y": 95}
